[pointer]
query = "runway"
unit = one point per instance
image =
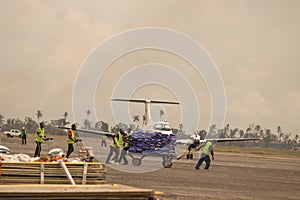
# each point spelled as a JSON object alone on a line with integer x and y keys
{"x": 231, "y": 176}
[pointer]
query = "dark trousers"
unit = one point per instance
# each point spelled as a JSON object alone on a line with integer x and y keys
{"x": 123, "y": 157}
{"x": 103, "y": 143}
{"x": 205, "y": 158}
{"x": 38, "y": 149}
{"x": 24, "y": 140}
{"x": 70, "y": 150}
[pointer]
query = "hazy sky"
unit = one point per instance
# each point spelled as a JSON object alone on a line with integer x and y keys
{"x": 255, "y": 45}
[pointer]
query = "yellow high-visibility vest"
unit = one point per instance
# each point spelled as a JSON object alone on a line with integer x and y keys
{"x": 206, "y": 148}
{"x": 40, "y": 134}
{"x": 119, "y": 140}
{"x": 72, "y": 139}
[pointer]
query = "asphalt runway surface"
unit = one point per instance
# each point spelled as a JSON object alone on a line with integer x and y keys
{"x": 231, "y": 175}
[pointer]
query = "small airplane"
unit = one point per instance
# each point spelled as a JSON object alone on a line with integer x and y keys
{"x": 149, "y": 125}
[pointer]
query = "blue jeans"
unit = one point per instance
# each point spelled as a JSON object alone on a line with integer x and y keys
{"x": 111, "y": 151}
{"x": 123, "y": 157}
{"x": 205, "y": 158}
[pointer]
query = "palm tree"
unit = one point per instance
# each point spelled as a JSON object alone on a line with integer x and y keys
{"x": 88, "y": 112}
{"x": 136, "y": 120}
{"x": 296, "y": 137}
{"x": 257, "y": 130}
{"x": 261, "y": 133}
{"x": 227, "y": 128}
{"x": 65, "y": 115}
{"x": 98, "y": 126}
{"x": 86, "y": 124}
{"x": 280, "y": 133}
{"x": 101, "y": 126}
{"x": 104, "y": 126}
{"x": 39, "y": 115}
{"x": 30, "y": 124}
{"x": 242, "y": 133}
{"x": 161, "y": 113}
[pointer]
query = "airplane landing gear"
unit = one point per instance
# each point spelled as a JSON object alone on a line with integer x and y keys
{"x": 167, "y": 161}
{"x": 189, "y": 156}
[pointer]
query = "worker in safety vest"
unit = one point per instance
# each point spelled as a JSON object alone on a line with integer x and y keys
{"x": 126, "y": 145}
{"x": 118, "y": 143}
{"x": 71, "y": 140}
{"x": 103, "y": 142}
{"x": 24, "y": 135}
{"x": 39, "y": 139}
{"x": 205, "y": 153}
{"x": 112, "y": 147}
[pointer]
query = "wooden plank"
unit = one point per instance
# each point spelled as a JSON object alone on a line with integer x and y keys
{"x": 84, "y": 175}
{"x": 33, "y": 172}
{"x": 42, "y": 173}
{"x": 105, "y": 191}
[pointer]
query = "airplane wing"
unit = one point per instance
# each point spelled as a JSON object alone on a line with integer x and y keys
{"x": 218, "y": 140}
{"x": 184, "y": 141}
{"x": 90, "y": 131}
{"x": 229, "y": 139}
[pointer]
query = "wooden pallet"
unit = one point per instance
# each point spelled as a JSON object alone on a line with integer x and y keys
{"x": 51, "y": 173}
{"x": 104, "y": 191}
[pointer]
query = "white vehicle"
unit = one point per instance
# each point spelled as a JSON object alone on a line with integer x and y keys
{"x": 13, "y": 133}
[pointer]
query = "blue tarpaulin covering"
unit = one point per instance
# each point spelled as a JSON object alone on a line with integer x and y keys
{"x": 152, "y": 143}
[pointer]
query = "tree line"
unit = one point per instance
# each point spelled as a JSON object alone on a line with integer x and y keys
{"x": 277, "y": 139}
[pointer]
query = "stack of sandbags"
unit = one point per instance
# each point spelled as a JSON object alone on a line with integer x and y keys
{"x": 16, "y": 158}
{"x": 152, "y": 143}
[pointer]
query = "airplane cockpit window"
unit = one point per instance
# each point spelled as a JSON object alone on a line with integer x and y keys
{"x": 167, "y": 127}
{"x": 158, "y": 127}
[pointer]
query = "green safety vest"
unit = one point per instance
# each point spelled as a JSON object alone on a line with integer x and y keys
{"x": 24, "y": 132}
{"x": 40, "y": 134}
{"x": 206, "y": 148}
{"x": 72, "y": 139}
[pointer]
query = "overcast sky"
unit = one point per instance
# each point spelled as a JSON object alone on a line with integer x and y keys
{"x": 255, "y": 45}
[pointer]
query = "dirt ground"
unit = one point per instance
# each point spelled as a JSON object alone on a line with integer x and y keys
{"x": 231, "y": 176}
